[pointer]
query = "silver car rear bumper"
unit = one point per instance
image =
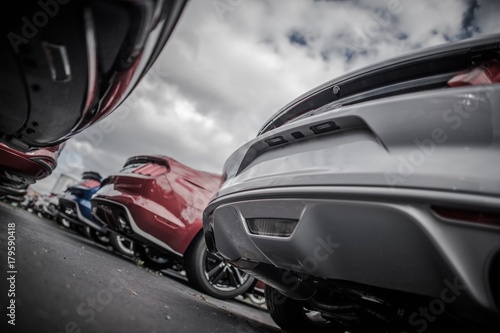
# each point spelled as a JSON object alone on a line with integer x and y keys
{"x": 381, "y": 237}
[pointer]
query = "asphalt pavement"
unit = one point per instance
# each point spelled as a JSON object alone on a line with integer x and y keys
{"x": 57, "y": 281}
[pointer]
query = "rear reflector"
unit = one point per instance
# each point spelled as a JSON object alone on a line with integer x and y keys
{"x": 272, "y": 227}
{"x": 486, "y": 73}
{"x": 468, "y": 215}
{"x": 131, "y": 187}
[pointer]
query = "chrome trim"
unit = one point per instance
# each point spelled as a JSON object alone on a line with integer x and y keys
{"x": 82, "y": 218}
{"x": 136, "y": 228}
{"x": 8, "y": 190}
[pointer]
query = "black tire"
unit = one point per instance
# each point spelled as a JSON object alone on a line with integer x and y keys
{"x": 96, "y": 236}
{"x": 290, "y": 314}
{"x": 78, "y": 229}
{"x": 122, "y": 245}
{"x": 227, "y": 281}
{"x": 256, "y": 295}
{"x": 151, "y": 258}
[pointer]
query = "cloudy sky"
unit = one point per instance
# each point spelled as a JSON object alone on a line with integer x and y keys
{"x": 231, "y": 64}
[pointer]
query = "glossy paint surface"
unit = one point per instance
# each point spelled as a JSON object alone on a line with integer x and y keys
{"x": 29, "y": 166}
{"x": 165, "y": 202}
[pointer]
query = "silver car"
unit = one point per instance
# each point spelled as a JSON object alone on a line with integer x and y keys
{"x": 372, "y": 202}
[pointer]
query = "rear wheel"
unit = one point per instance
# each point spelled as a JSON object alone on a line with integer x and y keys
{"x": 150, "y": 257}
{"x": 96, "y": 236}
{"x": 121, "y": 244}
{"x": 79, "y": 229}
{"x": 256, "y": 294}
{"x": 212, "y": 275}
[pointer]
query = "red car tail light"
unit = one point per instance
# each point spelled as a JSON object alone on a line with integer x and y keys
{"x": 90, "y": 183}
{"x": 486, "y": 73}
{"x": 468, "y": 215}
{"x": 151, "y": 169}
{"x": 130, "y": 187}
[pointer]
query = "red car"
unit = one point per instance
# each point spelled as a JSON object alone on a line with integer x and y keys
{"x": 158, "y": 203}
{"x": 18, "y": 170}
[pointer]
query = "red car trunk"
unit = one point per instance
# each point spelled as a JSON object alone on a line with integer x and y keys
{"x": 161, "y": 197}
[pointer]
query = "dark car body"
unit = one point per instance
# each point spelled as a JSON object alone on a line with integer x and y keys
{"x": 158, "y": 202}
{"x": 374, "y": 194}
{"x": 67, "y": 64}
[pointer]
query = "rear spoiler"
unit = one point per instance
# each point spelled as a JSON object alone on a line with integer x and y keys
{"x": 394, "y": 76}
{"x": 147, "y": 159}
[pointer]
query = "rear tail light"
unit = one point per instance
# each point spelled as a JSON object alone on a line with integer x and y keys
{"x": 468, "y": 215}
{"x": 90, "y": 183}
{"x": 130, "y": 187}
{"x": 272, "y": 227}
{"x": 486, "y": 73}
